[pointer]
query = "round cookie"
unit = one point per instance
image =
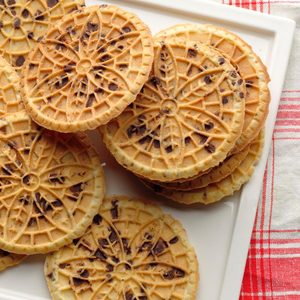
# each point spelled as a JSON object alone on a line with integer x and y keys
{"x": 216, "y": 174}
{"x": 87, "y": 69}
{"x": 216, "y": 191}
{"x": 249, "y": 65}
{"x": 10, "y": 98}
{"x": 131, "y": 251}
{"x": 9, "y": 259}
{"x": 180, "y": 124}
{"x": 24, "y": 22}
{"x": 51, "y": 186}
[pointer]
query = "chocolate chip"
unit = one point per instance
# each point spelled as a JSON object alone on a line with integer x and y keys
{"x": 126, "y": 29}
{"x": 3, "y": 253}
{"x": 208, "y": 125}
{"x": 187, "y": 140}
{"x": 76, "y": 188}
{"x": 169, "y": 275}
{"x": 174, "y": 240}
{"x": 240, "y": 81}
{"x": 126, "y": 246}
{"x": 242, "y": 95}
{"x": 20, "y": 61}
{"x": 52, "y": 3}
{"x": 114, "y": 211}
{"x": 210, "y": 148}
{"x": 207, "y": 79}
{"x": 30, "y": 35}
{"x": 25, "y": 13}
{"x": 179, "y": 273}
{"x": 17, "y": 23}
{"x": 109, "y": 268}
{"x": 112, "y": 86}
{"x": 131, "y": 130}
{"x": 115, "y": 259}
{"x": 85, "y": 274}
{"x": 31, "y": 66}
{"x": 123, "y": 66}
{"x": 26, "y": 179}
{"x": 100, "y": 255}
{"x": 128, "y": 295}
{"x": 79, "y": 281}
{"x": 2, "y": 2}
{"x": 192, "y": 52}
{"x": 156, "y": 144}
{"x": 155, "y": 81}
{"x": 203, "y": 138}
{"x": 61, "y": 82}
{"x": 97, "y": 219}
{"x": 249, "y": 83}
{"x": 1, "y": 24}
{"x": 50, "y": 276}
{"x": 141, "y": 129}
{"x": 57, "y": 203}
{"x": 32, "y": 221}
{"x": 145, "y": 139}
{"x": 159, "y": 247}
{"x": 169, "y": 149}
{"x": 11, "y": 2}
{"x": 38, "y": 15}
{"x": 68, "y": 68}
{"x": 55, "y": 178}
{"x": 121, "y": 47}
{"x": 90, "y": 100}
{"x": 142, "y": 298}
{"x": 146, "y": 246}
{"x": 224, "y": 100}
{"x": 233, "y": 74}
{"x": 7, "y": 169}
{"x": 103, "y": 243}
{"x": 221, "y": 60}
{"x": 63, "y": 265}
{"x": 113, "y": 235}
{"x": 75, "y": 241}
{"x": 105, "y": 58}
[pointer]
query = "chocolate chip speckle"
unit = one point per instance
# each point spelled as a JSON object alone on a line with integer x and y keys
{"x": 20, "y": 61}
{"x": 210, "y": 148}
{"x": 207, "y": 79}
{"x": 192, "y": 52}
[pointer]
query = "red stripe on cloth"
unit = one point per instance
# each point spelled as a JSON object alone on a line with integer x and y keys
{"x": 288, "y": 114}
{"x": 289, "y": 107}
{"x": 287, "y": 123}
{"x": 277, "y": 230}
{"x": 276, "y": 241}
{"x": 287, "y": 130}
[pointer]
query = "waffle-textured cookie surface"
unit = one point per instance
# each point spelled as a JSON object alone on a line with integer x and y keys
{"x": 215, "y": 174}
{"x": 248, "y": 64}
{"x": 51, "y": 186}
{"x": 9, "y": 259}
{"x": 131, "y": 251}
{"x": 187, "y": 117}
{"x": 10, "y": 98}
{"x": 24, "y": 22}
{"x": 87, "y": 69}
{"x": 216, "y": 191}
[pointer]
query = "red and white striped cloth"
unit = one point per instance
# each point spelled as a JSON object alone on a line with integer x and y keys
{"x": 273, "y": 265}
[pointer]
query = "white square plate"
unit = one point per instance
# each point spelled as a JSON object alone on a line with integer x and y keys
{"x": 221, "y": 232}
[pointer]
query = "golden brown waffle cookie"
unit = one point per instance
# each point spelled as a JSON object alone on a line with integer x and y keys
{"x": 9, "y": 259}
{"x": 216, "y": 191}
{"x": 216, "y": 174}
{"x": 131, "y": 251}
{"x": 24, "y": 22}
{"x": 87, "y": 69}
{"x": 51, "y": 186}
{"x": 10, "y": 98}
{"x": 248, "y": 64}
{"x": 180, "y": 124}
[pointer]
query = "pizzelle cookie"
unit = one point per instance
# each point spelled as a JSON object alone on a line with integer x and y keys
{"x": 248, "y": 64}
{"x": 87, "y": 69}
{"x": 216, "y": 174}
{"x": 10, "y": 98}
{"x": 24, "y": 22}
{"x": 51, "y": 186}
{"x": 9, "y": 259}
{"x": 216, "y": 191}
{"x": 187, "y": 117}
{"x": 131, "y": 251}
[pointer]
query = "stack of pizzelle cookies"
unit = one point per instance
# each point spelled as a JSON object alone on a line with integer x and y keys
{"x": 67, "y": 68}
{"x": 195, "y": 132}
